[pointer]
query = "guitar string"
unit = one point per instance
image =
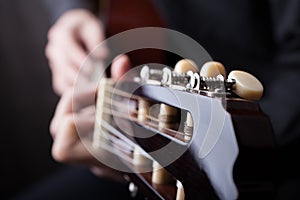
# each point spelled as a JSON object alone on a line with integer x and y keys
{"x": 123, "y": 146}
{"x": 110, "y": 101}
{"x": 120, "y": 145}
{"x": 173, "y": 133}
{"x": 114, "y": 144}
{"x": 119, "y": 92}
{"x": 115, "y": 149}
{"x": 127, "y": 95}
{"x": 121, "y": 105}
{"x": 108, "y": 110}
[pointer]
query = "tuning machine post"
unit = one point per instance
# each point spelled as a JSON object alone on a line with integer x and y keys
{"x": 210, "y": 81}
{"x": 151, "y": 76}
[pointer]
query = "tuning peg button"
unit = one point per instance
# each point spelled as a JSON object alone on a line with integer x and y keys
{"x": 185, "y": 65}
{"x": 212, "y": 69}
{"x": 246, "y": 86}
{"x": 160, "y": 175}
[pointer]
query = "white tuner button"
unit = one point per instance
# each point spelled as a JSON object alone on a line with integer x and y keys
{"x": 213, "y": 69}
{"x": 185, "y": 65}
{"x": 246, "y": 86}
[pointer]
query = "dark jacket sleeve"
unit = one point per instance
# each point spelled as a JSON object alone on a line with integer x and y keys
{"x": 281, "y": 99}
{"x": 56, "y": 8}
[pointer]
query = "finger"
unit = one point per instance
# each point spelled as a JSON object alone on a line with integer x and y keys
{"x": 67, "y": 146}
{"x": 65, "y": 128}
{"x": 63, "y": 70}
{"x": 66, "y": 43}
{"x": 71, "y": 102}
{"x": 63, "y": 109}
{"x": 120, "y": 66}
{"x": 84, "y": 97}
{"x": 61, "y": 83}
{"x": 84, "y": 121}
{"x": 62, "y": 78}
{"x": 59, "y": 58}
{"x": 64, "y": 64}
{"x": 73, "y": 51}
{"x": 91, "y": 35}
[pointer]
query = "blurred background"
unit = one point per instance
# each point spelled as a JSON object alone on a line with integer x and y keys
{"x": 28, "y": 102}
{"x": 27, "y": 99}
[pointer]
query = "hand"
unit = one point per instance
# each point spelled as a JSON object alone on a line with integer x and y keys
{"x": 72, "y": 37}
{"x": 67, "y": 145}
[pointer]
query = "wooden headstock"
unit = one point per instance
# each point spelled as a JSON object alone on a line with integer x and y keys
{"x": 212, "y": 142}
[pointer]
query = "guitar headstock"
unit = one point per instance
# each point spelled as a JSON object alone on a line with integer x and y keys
{"x": 196, "y": 126}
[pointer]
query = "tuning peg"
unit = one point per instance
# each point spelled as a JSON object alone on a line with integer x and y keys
{"x": 246, "y": 85}
{"x": 185, "y": 65}
{"x": 180, "y": 191}
{"x": 212, "y": 69}
{"x": 160, "y": 175}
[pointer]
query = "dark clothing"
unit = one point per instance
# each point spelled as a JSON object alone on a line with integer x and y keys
{"x": 76, "y": 183}
{"x": 57, "y": 7}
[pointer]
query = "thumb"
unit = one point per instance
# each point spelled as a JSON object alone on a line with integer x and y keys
{"x": 120, "y": 66}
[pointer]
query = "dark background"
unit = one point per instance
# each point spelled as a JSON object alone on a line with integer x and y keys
{"x": 27, "y": 99}
{"x": 27, "y": 102}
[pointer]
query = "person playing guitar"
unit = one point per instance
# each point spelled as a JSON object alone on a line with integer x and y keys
{"x": 226, "y": 37}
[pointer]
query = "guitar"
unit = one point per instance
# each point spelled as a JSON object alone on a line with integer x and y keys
{"x": 183, "y": 135}
{"x": 166, "y": 158}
